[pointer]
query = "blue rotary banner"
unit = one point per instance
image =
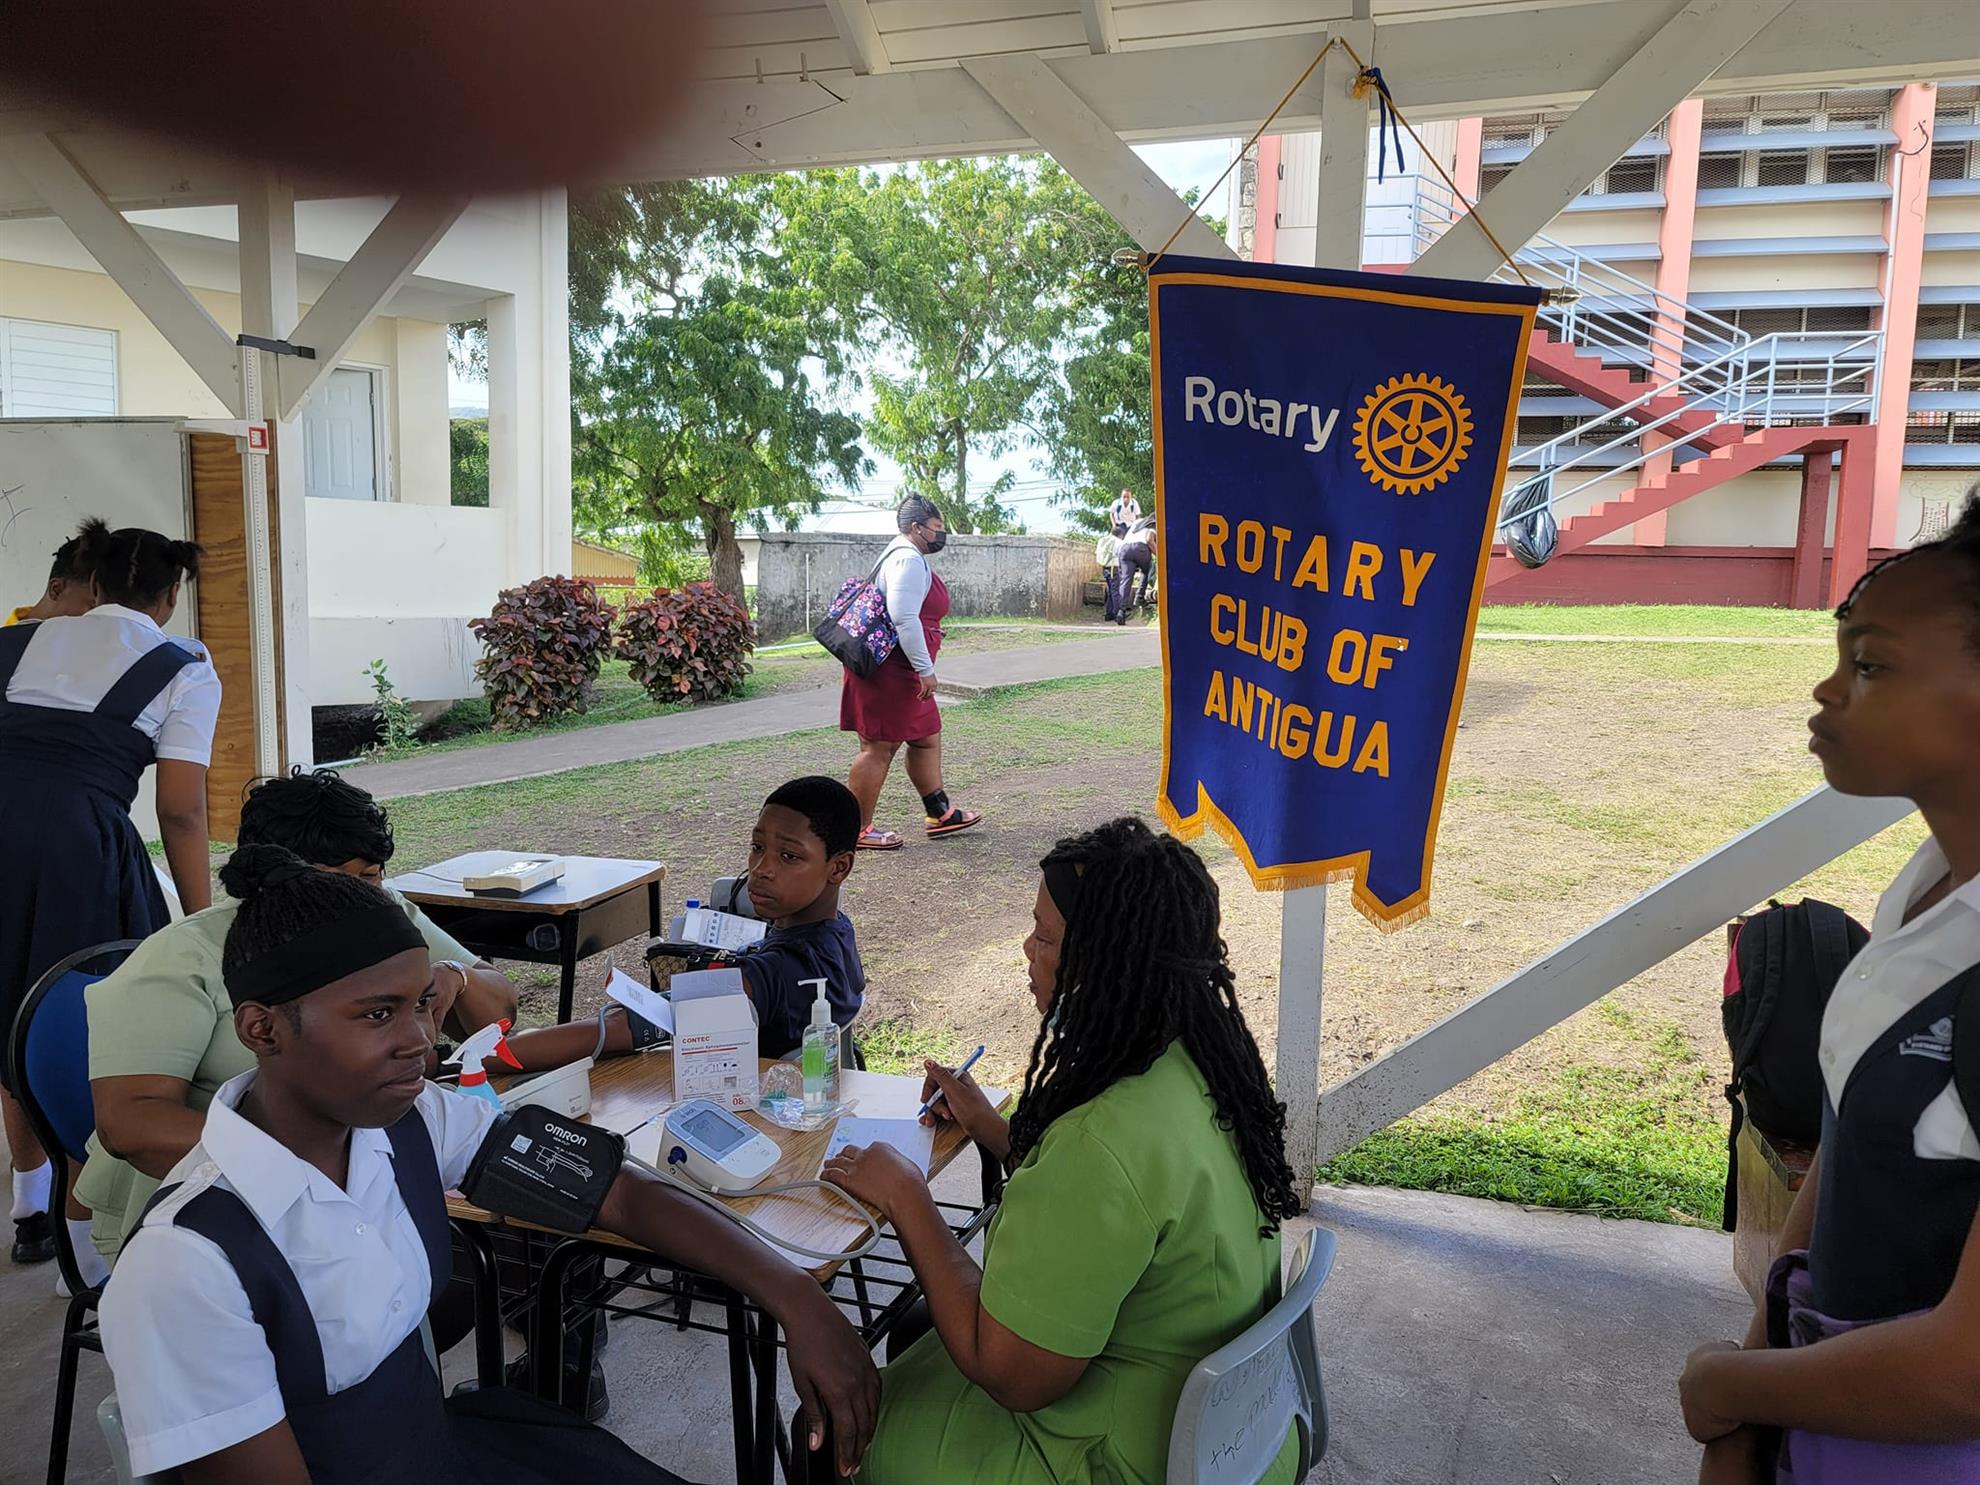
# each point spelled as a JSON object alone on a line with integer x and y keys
{"x": 1329, "y": 451}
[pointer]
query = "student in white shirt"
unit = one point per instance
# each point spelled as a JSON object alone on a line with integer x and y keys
{"x": 1125, "y": 511}
{"x": 1134, "y": 560}
{"x": 1867, "y": 1353}
{"x": 87, "y": 704}
{"x": 262, "y": 1324}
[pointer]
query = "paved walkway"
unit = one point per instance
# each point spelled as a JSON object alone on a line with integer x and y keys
{"x": 741, "y": 721}
{"x": 805, "y": 711}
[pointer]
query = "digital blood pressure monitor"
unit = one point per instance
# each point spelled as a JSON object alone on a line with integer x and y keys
{"x": 718, "y": 1151}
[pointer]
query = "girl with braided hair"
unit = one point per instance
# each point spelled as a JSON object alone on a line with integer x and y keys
{"x": 1139, "y": 1230}
{"x": 88, "y": 704}
{"x": 1864, "y": 1360}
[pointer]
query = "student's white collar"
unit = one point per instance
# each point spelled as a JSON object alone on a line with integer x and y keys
{"x": 265, "y": 1174}
{"x": 1928, "y": 865}
{"x": 118, "y": 611}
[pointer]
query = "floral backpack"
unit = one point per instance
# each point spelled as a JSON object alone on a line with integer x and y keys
{"x": 857, "y": 629}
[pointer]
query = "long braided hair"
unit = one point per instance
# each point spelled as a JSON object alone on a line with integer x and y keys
{"x": 1144, "y": 963}
{"x": 1961, "y": 541}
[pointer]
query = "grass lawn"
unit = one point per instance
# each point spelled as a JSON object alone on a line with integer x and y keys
{"x": 1583, "y": 775}
{"x": 1690, "y": 620}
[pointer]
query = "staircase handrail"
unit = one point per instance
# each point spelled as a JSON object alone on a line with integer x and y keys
{"x": 1757, "y": 399}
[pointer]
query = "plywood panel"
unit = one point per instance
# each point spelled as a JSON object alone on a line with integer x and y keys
{"x": 220, "y": 526}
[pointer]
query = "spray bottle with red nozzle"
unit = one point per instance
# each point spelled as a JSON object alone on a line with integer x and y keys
{"x": 489, "y": 1042}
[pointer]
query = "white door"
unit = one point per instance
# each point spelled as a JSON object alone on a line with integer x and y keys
{"x": 340, "y": 438}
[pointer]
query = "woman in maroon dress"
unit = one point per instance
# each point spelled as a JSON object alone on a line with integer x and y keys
{"x": 896, "y": 704}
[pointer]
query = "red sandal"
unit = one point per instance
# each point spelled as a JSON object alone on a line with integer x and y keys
{"x": 879, "y": 840}
{"x": 954, "y": 822}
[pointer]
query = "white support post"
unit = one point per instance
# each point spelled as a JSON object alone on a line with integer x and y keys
{"x": 1343, "y": 190}
{"x": 388, "y": 257}
{"x": 853, "y": 20}
{"x": 130, "y": 261}
{"x": 278, "y": 546}
{"x": 1682, "y": 909}
{"x": 1695, "y": 43}
{"x": 1102, "y": 31}
{"x": 1094, "y": 155}
{"x": 1303, "y": 920}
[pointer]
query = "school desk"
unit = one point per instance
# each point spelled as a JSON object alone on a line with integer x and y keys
{"x": 629, "y": 1094}
{"x": 596, "y": 905}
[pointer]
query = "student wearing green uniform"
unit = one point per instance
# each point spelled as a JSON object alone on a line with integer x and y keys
{"x": 1139, "y": 1229}
{"x": 161, "y": 1026}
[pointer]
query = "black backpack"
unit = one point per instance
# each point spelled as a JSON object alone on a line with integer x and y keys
{"x": 1785, "y": 965}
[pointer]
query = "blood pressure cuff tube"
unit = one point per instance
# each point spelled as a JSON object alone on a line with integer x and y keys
{"x": 536, "y": 1166}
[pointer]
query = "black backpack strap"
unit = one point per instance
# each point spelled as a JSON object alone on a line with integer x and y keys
{"x": 13, "y": 644}
{"x": 1829, "y": 936}
{"x": 1966, "y": 1046}
{"x": 139, "y": 686}
{"x": 417, "y": 1171}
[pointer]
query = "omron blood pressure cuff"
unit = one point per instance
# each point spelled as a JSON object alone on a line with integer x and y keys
{"x": 539, "y": 1167}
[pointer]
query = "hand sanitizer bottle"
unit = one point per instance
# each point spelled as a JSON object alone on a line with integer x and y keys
{"x": 820, "y": 1056}
{"x": 692, "y": 921}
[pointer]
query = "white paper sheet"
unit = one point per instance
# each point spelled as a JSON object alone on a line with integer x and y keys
{"x": 909, "y": 1136}
{"x": 641, "y": 999}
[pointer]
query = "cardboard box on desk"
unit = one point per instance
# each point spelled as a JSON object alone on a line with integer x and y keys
{"x": 714, "y": 1039}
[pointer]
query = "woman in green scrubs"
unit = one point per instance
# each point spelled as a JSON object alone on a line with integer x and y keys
{"x": 1139, "y": 1229}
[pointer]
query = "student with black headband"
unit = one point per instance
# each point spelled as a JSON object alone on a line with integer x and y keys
{"x": 234, "y": 1363}
{"x": 1863, "y": 1364}
{"x": 1139, "y": 1230}
{"x": 88, "y": 704}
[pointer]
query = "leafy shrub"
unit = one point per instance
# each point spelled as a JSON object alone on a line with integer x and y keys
{"x": 687, "y": 644}
{"x": 542, "y": 647}
{"x": 398, "y": 724}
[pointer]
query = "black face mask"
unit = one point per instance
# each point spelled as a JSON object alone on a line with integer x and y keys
{"x": 936, "y": 542}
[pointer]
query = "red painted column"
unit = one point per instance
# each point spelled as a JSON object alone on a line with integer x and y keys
{"x": 1904, "y": 231}
{"x": 1855, "y": 506}
{"x": 1811, "y": 537}
{"x": 1265, "y": 203}
{"x": 1674, "y": 238}
{"x": 1469, "y": 155}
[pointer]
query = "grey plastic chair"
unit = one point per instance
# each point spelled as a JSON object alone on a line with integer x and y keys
{"x": 1236, "y": 1407}
{"x": 110, "y": 1419}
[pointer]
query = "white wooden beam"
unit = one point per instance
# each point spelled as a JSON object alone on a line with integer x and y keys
{"x": 1033, "y": 94}
{"x": 1682, "y": 909}
{"x": 853, "y": 20}
{"x": 1103, "y": 33}
{"x": 1343, "y": 193}
{"x": 1693, "y": 44}
{"x": 130, "y": 261}
{"x": 388, "y": 257}
{"x": 1296, "y": 1055}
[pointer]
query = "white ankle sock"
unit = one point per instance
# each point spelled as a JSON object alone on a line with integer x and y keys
{"x": 31, "y": 1188}
{"x": 94, "y": 1269}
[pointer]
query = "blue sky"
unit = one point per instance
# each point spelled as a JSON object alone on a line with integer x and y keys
{"x": 1184, "y": 165}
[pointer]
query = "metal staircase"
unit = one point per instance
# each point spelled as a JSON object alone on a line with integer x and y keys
{"x": 1688, "y": 399}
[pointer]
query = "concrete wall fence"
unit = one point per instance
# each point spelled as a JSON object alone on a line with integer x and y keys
{"x": 1030, "y": 577}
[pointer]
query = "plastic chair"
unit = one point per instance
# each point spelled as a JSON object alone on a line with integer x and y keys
{"x": 48, "y": 1062}
{"x": 110, "y": 1419}
{"x": 1236, "y": 1407}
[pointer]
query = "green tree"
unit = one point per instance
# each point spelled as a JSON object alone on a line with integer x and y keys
{"x": 701, "y": 369}
{"x": 467, "y": 440}
{"x": 964, "y": 273}
{"x": 1095, "y": 420}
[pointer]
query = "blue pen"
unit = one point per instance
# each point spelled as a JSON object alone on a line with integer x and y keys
{"x": 934, "y": 1098}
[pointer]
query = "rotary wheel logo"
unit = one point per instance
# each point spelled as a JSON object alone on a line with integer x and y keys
{"x": 1412, "y": 432}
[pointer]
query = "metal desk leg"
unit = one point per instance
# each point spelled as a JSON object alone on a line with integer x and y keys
{"x": 488, "y": 1367}
{"x": 567, "y": 945}
{"x": 653, "y": 909}
{"x": 764, "y": 1345}
{"x": 546, "y": 1342}
{"x": 739, "y": 1390}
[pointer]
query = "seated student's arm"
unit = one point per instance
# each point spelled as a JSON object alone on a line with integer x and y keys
{"x": 831, "y": 1369}
{"x": 770, "y": 980}
{"x": 542, "y": 1048}
{"x": 150, "y": 1023}
{"x": 182, "y": 825}
{"x": 1071, "y": 1242}
{"x": 195, "y": 1379}
{"x": 1910, "y": 1381}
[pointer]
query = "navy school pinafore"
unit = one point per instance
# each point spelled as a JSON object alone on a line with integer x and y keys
{"x": 1890, "y": 1226}
{"x": 74, "y": 871}
{"x": 394, "y": 1427}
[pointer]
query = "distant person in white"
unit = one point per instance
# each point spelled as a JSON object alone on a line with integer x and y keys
{"x": 1125, "y": 512}
{"x": 1134, "y": 559}
{"x": 896, "y": 704}
{"x": 87, "y": 704}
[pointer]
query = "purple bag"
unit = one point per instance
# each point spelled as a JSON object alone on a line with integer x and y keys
{"x": 857, "y": 629}
{"x": 1826, "y": 1459}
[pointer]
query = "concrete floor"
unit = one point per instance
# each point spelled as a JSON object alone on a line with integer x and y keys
{"x": 1465, "y": 1343}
